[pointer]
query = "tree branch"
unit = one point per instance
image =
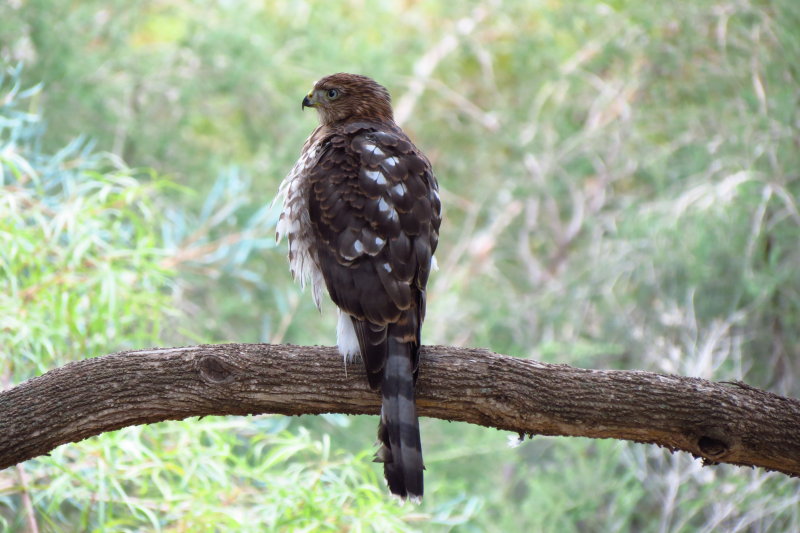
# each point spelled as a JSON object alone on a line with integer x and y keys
{"x": 720, "y": 422}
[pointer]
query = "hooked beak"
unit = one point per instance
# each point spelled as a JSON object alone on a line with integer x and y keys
{"x": 309, "y": 101}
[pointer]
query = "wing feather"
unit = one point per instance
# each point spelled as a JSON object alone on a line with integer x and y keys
{"x": 372, "y": 207}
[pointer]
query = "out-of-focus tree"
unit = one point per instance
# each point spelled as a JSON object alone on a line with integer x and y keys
{"x": 620, "y": 186}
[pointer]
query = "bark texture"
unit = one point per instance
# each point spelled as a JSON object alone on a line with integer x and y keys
{"x": 719, "y": 422}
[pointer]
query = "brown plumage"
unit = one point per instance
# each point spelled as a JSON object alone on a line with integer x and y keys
{"x": 362, "y": 214}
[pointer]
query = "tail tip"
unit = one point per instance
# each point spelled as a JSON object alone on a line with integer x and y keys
{"x": 403, "y": 498}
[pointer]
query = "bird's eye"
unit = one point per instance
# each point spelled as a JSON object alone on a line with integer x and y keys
{"x": 333, "y": 94}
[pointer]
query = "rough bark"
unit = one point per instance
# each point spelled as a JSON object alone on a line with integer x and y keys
{"x": 719, "y": 422}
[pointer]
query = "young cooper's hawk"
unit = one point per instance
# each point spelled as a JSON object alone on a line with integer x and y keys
{"x": 361, "y": 210}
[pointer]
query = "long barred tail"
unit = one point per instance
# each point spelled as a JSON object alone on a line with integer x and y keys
{"x": 398, "y": 431}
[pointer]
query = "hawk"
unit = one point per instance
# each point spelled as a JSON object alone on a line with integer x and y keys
{"x": 361, "y": 211}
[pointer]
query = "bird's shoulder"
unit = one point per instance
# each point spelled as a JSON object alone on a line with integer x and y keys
{"x": 369, "y": 177}
{"x": 370, "y": 143}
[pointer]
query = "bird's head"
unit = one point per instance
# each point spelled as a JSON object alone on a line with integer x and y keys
{"x": 342, "y": 96}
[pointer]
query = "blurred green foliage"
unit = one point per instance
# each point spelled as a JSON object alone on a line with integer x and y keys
{"x": 620, "y": 182}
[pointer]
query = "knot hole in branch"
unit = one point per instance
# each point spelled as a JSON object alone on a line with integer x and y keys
{"x": 215, "y": 370}
{"x": 712, "y": 447}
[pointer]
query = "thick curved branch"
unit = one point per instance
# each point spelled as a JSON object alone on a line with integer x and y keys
{"x": 720, "y": 422}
